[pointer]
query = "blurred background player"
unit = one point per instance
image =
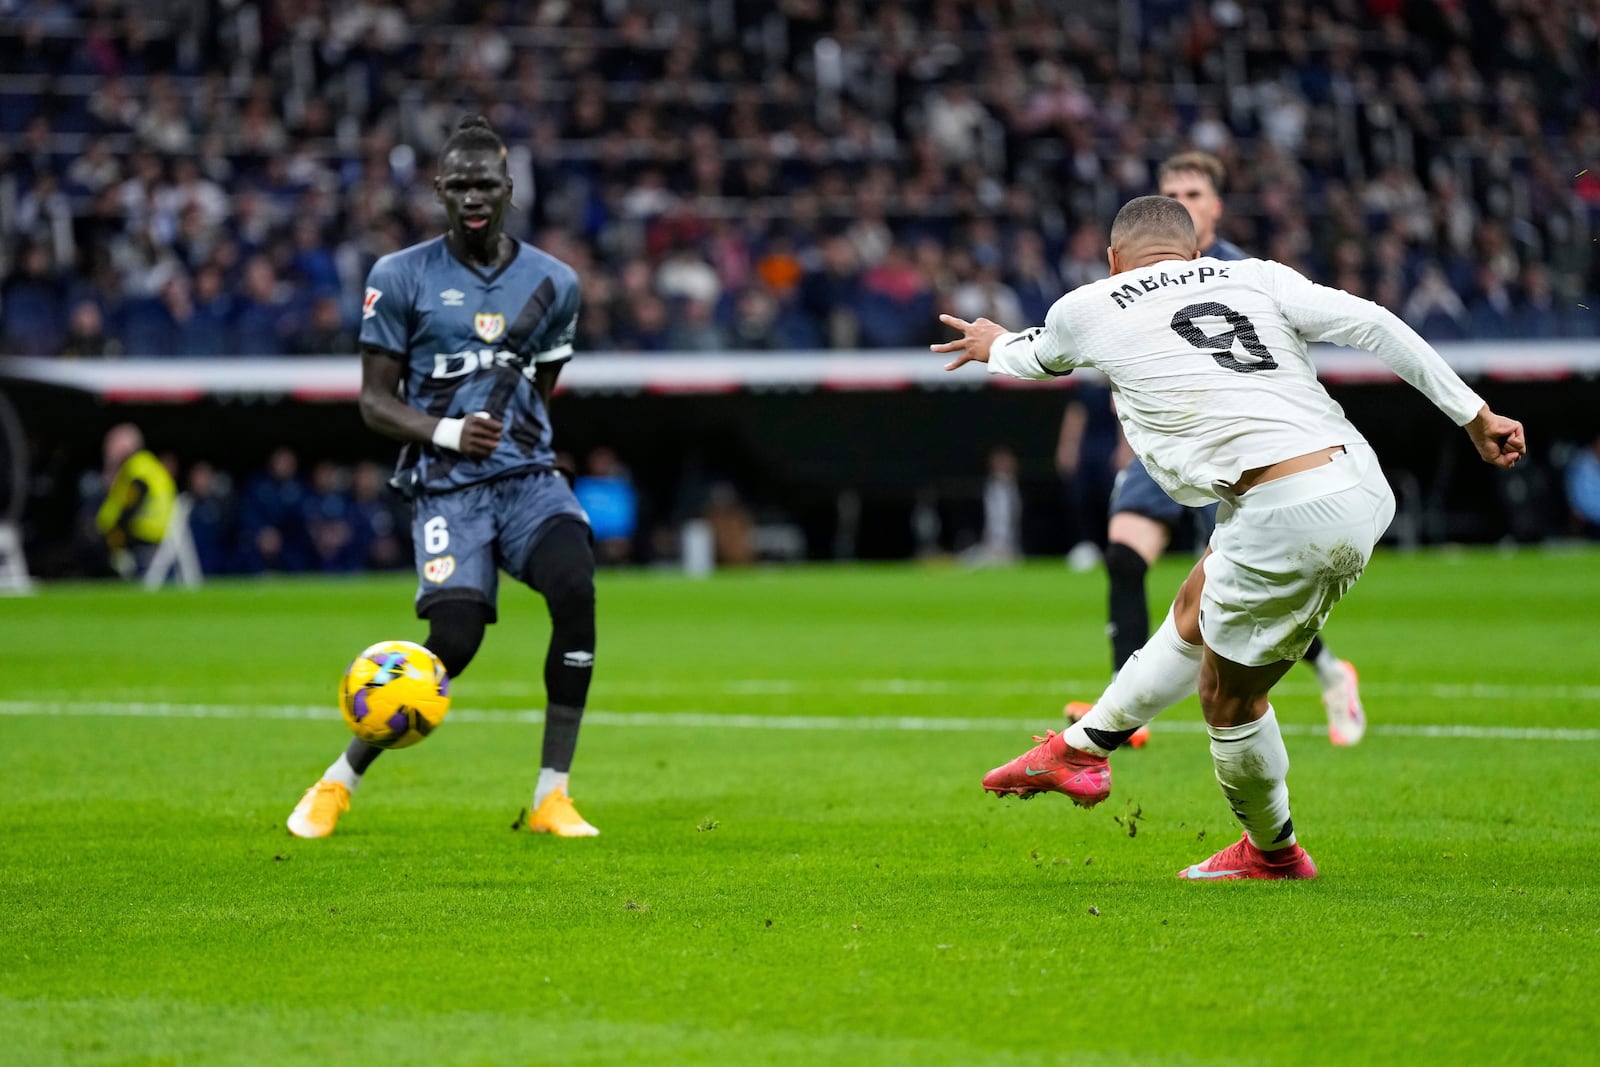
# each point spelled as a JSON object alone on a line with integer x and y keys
{"x": 1144, "y": 518}
{"x": 133, "y": 518}
{"x": 1089, "y": 453}
{"x": 475, "y": 327}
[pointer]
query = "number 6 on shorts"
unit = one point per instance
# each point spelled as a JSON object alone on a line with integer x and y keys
{"x": 435, "y": 535}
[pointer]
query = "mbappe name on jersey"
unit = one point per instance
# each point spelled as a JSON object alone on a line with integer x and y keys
{"x": 1129, "y": 293}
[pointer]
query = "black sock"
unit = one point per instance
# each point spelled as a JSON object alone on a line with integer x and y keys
{"x": 1128, "y": 609}
{"x": 561, "y": 723}
{"x": 360, "y": 755}
{"x": 1313, "y": 650}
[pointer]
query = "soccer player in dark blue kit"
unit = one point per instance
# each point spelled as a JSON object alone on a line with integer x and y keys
{"x": 462, "y": 338}
{"x": 1144, "y": 517}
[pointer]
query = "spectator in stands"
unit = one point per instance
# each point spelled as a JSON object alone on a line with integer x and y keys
{"x": 211, "y": 517}
{"x": 894, "y": 302}
{"x": 313, "y": 265}
{"x": 694, "y": 328}
{"x": 210, "y": 329}
{"x": 1434, "y": 309}
{"x": 1085, "y": 258}
{"x": 44, "y": 215}
{"x": 1491, "y": 307}
{"x": 986, "y": 296}
{"x": 1583, "y": 489}
{"x": 98, "y": 168}
{"x": 827, "y": 290}
{"x": 324, "y": 333}
{"x": 34, "y": 302}
{"x": 263, "y": 320}
{"x": 159, "y": 325}
{"x": 330, "y": 521}
{"x": 381, "y": 520}
{"x": 1535, "y": 314}
{"x": 1036, "y": 285}
{"x": 272, "y": 529}
{"x": 86, "y": 335}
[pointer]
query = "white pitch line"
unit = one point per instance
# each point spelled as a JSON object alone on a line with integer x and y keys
{"x": 1058, "y": 688}
{"x": 1055, "y": 687}
{"x": 711, "y": 720}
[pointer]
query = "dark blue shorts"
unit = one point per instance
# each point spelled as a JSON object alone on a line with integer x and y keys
{"x": 1137, "y": 492}
{"x": 463, "y": 539}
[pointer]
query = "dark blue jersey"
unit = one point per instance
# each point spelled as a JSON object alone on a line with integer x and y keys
{"x": 1221, "y": 249}
{"x": 470, "y": 341}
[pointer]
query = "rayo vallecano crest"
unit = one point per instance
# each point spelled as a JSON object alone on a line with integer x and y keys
{"x": 490, "y": 327}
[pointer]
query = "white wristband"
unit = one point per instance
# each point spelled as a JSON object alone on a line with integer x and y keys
{"x": 448, "y": 433}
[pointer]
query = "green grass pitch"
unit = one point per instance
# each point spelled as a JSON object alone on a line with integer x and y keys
{"x": 797, "y": 865}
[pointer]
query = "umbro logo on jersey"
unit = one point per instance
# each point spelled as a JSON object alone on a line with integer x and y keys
{"x": 452, "y": 297}
{"x": 489, "y": 326}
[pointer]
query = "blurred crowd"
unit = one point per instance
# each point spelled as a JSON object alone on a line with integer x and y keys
{"x": 209, "y": 178}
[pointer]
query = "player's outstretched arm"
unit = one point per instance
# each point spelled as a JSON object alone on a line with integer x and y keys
{"x": 1321, "y": 313}
{"x": 383, "y": 410}
{"x": 1499, "y": 440}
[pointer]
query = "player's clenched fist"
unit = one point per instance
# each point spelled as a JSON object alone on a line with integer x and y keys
{"x": 480, "y": 436}
{"x": 1499, "y": 440}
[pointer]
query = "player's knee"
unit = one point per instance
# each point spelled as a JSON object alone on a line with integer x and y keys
{"x": 562, "y": 570}
{"x": 455, "y": 630}
{"x": 1225, "y": 705}
{"x": 1124, "y": 563}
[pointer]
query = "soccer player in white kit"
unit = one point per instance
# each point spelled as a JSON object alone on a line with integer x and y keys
{"x": 1218, "y": 397}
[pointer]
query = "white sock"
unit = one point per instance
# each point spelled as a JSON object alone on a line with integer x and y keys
{"x": 550, "y": 780}
{"x": 1160, "y": 674}
{"x": 1330, "y": 672}
{"x": 343, "y": 773}
{"x": 1251, "y": 766}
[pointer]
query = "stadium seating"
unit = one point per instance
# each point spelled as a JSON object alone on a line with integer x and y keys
{"x": 1404, "y": 151}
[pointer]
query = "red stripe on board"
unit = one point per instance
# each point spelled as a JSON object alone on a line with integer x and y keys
{"x": 326, "y": 394}
{"x": 153, "y": 395}
{"x": 1528, "y": 374}
{"x": 685, "y": 388}
{"x": 863, "y": 385}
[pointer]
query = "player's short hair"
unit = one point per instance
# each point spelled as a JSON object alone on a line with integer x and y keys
{"x": 1147, "y": 219}
{"x": 1195, "y": 163}
{"x": 473, "y": 133}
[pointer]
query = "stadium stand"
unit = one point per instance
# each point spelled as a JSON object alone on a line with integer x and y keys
{"x": 205, "y": 178}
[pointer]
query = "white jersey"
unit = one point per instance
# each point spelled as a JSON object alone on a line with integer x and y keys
{"x": 1208, "y": 362}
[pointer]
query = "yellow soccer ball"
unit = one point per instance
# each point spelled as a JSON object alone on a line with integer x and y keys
{"x": 394, "y": 694}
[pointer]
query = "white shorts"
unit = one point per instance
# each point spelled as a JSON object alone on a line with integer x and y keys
{"x": 1284, "y": 553}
